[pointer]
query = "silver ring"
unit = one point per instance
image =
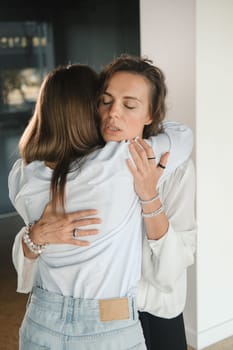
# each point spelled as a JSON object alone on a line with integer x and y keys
{"x": 75, "y": 232}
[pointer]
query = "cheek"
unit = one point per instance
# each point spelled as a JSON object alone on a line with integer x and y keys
{"x": 102, "y": 114}
{"x": 137, "y": 124}
{"x": 135, "y": 129}
{"x": 140, "y": 127}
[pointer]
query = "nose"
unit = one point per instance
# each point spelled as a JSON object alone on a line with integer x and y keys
{"x": 114, "y": 111}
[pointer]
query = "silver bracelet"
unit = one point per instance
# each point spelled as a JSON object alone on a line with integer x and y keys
{"x": 149, "y": 200}
{"x": 153, "y": 213}
{"x": 33, "y": 247}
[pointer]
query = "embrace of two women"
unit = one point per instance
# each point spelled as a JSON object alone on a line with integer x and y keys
{"x": 106, "y": 188}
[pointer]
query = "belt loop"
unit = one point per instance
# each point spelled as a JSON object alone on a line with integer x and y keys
{"x": 133, "y": 308}
{"x": 72, "y": 308}
{"x": 65, "y": 304}
{"x": 76, "y": 303}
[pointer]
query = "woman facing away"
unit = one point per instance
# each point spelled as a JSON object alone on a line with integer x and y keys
{"x": 89, "y": 272}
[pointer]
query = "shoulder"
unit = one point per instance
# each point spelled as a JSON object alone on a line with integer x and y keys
{"x": 20, "y": 169}
{"x": 21, "y": 174}
{"x": 16, "y": 169}
{"x": 15, "y": 178}
{"x": 111, "y": 151}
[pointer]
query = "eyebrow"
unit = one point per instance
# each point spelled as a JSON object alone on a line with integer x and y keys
{"x": 124, "y": 97}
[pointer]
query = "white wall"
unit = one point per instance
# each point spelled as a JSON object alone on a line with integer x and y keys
{"x": 192, "y": 41}
{"x": 214, "y": 151}
{"x": 168, "y": 38}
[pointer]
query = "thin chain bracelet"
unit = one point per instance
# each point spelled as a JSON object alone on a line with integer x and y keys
{"x": 33, "y": 247}
{"x": 149, "y": 200}
{"x": 153, "y": 213}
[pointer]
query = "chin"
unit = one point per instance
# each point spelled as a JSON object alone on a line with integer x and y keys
{"x": 108, "y": 138}
{"x": 115, "y": 139}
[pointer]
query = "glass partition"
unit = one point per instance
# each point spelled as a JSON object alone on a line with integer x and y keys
{"x": 26, "y": 55}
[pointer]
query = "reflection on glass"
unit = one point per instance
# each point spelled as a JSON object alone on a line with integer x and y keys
{"x": 20, "y": 87}
{"x": 26, "y": 55}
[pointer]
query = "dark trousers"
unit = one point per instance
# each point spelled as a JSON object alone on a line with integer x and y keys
{"x": 162, "y": 333}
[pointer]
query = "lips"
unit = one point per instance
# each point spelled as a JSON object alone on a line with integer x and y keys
{"x": 112, "y": 128}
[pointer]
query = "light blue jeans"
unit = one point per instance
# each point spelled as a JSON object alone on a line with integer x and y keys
{"x": 65, "y": 323}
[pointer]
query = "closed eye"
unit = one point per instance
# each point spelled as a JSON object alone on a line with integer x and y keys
{"x": 129, "y": 106}
{"x": 105, "y": 100}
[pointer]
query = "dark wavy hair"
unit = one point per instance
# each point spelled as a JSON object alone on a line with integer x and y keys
{"x": 144, "y": 67}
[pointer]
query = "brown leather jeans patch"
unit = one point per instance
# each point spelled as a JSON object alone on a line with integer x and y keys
{"x": 114, "y": 309}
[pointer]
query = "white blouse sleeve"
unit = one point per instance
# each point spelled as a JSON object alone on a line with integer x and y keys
{"x": 26, "y": 268}
{"x": 166, "y": 259}
{"x": 14, "y": 180}
{"x": 181, "y": 143}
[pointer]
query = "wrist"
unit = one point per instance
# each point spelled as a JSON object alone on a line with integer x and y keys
{"x": 36, "y": 233}
{"x": 149, "y": 199}
{"x": 153, "y": 213}
{"x": 151, "y": 205}
{"x": 34, "y": 248}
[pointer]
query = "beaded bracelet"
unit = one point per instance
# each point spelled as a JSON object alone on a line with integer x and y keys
{"x": 149, "y": 200}
{"x": 33, "y": 247}
{"x": 153, "y": 213}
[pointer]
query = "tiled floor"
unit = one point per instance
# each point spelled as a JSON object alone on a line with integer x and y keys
{"x": 226, "y": 344}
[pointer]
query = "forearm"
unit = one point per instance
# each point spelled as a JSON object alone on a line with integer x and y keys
{"x": 156, "y": 222}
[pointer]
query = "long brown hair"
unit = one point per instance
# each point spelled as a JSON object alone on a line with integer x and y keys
{"x": 144, "y": 67}
{"x": 64, "y": 126}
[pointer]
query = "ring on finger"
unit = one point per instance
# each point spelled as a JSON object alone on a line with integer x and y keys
{"x": 75, "y": 232}
{"x": 161, "y": 166}
{"x": 149, "y": 158}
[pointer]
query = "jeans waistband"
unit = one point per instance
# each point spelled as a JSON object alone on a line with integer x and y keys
{"x": 90, "y": 309}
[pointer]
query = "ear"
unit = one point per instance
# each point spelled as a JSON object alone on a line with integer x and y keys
{"x": 148, "y": 120}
